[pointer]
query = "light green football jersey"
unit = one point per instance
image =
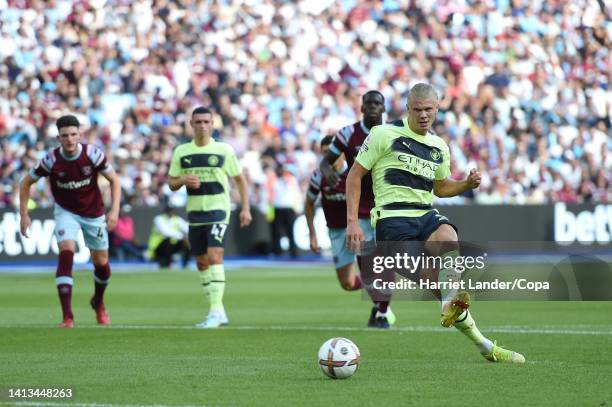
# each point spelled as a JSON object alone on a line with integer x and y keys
{"x": 404, "y": 165}
{"x": 213, "y": 164}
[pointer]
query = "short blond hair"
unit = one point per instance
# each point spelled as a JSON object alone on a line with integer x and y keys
{"x": 422, "y": 91}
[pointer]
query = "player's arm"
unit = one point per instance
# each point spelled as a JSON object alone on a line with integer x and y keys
{"x": 190, "y": 181}
{"x": 314, "y": 188}
{"x": 175, "y": 179}
{"x": 115, "y": 184}
{"x": 309, "y": 213}
{"x": 372, "y": 149}
{"x": 446, "y": 187}
{"x": 245, "y": 211}
{"x": 354, "y": 234}
{"x": 24, "y": 198}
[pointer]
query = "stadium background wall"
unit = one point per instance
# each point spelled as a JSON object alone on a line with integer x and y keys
{"x": 507, "y": 223}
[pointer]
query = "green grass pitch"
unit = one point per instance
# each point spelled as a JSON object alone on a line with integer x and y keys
{"x": 151, "y": 355}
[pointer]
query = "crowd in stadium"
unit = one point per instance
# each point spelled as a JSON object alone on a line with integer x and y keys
{"x": 524, "y": 86}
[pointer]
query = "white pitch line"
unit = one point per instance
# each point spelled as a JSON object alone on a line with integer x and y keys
{"x": 417, "y": 328}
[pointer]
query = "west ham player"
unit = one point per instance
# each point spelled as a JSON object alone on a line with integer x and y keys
{"x": 348, "y": 142}
{"x": 410, "y": 164}
{"x": 203, "y": 166}
{"x": 73, "y": 170}
{"x": 333, "y": 201}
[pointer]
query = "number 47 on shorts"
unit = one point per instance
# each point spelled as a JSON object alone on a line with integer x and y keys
{"x": 218, "y": 231}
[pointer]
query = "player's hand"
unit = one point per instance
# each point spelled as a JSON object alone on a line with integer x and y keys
{"x": 245, "y": 217}
{"x": 191, "y": 181}
{"x": 314, "y": 244}
{"x": 111, "y": 220}
{"x": 354, "y": 237}
{"x": 25, "y": 224}
{"x": 474, "y": 178}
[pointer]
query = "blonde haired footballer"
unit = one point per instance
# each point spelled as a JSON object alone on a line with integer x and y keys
{"x": 409, "y": 165}
{"x": 204, "y": 167}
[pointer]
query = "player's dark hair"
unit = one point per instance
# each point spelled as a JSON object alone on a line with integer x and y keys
{"x": 67, "y": 121}
{"x": 201, "y": 110}
{"x": 372, "y": 92}
{"x": 327, "y": 140}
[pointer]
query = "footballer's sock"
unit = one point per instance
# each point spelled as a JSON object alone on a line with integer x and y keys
{"x": 447, "y": 275}
{"x": 63, "y": 281}
{"x": 383, "y": 306}
{"x": 205, "y": 277}
{"x": 386, "y": 314}
{"x": 101, "y": 277}
{"x": 375, "y": 295}
{"x": 217, "y": 286}
{"x": 465, "y": 323}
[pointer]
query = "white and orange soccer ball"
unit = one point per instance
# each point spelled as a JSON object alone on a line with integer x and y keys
{"x": 339, "y": 358}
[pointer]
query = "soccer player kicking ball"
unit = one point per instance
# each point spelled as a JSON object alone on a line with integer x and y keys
{"x": 203, "y": 167}
{"x": 348, "y": 142}
{"x": 73, "y": 170}
{"x": 333, "y": 201}
{"x": 409, "y": 165}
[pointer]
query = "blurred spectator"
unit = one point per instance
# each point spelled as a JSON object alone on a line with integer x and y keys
{"x": 526, "y": 85}
{"x": 169, "y": 237}
{"x": 123, "y": 240}
{"x": 286, "y": 197}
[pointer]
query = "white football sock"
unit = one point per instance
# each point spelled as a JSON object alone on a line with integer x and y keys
{"x": 448, "y": 275}
{"x": 465, "y": 323}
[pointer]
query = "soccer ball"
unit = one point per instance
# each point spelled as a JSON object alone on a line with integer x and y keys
{"x": 339, "y": 358}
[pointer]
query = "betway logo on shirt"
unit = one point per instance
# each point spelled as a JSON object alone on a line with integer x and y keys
{"x": 74, "y": 184}
{"x": 335, "y": 197}
{"x": 418, "y": 166}
{"x": 584, "y": 227}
